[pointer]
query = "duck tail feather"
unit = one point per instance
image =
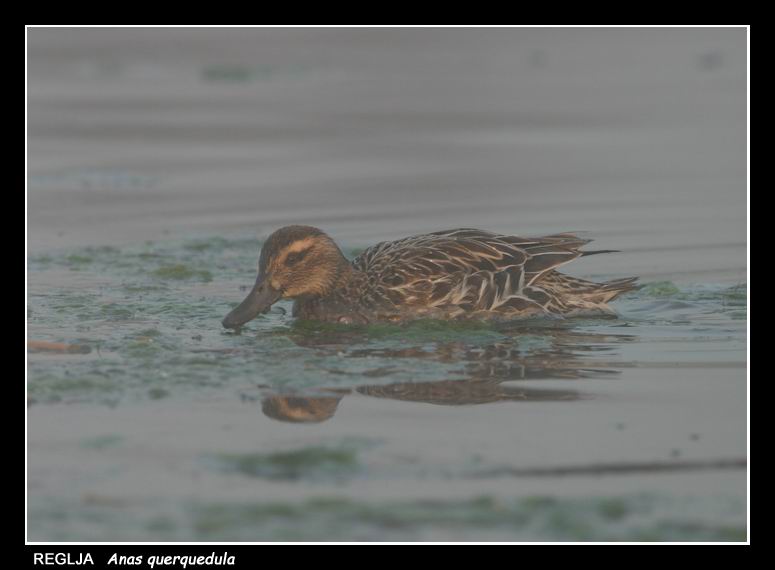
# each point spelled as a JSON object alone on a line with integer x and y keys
{"x": 596, "y": 251}
{"x": 616, "y": 287}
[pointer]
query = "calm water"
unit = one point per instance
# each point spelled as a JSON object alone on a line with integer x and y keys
{"x": 159, "y": 160}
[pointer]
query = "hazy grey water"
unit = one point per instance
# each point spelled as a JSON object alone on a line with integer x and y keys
{"x": 158, "y": 159}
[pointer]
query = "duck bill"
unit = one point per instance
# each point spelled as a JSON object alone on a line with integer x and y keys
{"x": 258, "y": 301}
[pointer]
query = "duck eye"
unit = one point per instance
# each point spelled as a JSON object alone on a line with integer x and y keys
{"x": 295, "y": 257}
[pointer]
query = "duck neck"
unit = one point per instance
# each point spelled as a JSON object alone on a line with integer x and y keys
{"x": 316, "y": 306}
{"x": 346, "y": 274}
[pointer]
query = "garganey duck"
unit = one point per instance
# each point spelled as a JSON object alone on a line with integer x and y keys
{"x": 453, "y": 274}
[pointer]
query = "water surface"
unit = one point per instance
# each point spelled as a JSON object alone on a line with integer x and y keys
{"x": 159, "y": 160}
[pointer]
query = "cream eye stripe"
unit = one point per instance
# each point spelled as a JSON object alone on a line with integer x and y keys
{"x": 296, "y": 247}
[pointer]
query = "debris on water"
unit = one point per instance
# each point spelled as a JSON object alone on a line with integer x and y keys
{"x": 57, "y": 347}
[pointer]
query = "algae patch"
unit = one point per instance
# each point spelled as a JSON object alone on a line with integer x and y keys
{"x": 660, "y": 289}
{"x": 181, "y": 271}
{"x": 636, "y": 517}
{"x": 309, "y": 463}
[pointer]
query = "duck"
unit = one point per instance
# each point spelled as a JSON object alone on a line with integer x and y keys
{"x": 462, "y": 273}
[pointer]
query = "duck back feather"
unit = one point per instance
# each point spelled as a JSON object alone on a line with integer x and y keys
{"x": 470, "y": 272}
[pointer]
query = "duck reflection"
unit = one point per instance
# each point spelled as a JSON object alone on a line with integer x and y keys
{"x": 488, "y": 373}
{"x": 297, "y": 409}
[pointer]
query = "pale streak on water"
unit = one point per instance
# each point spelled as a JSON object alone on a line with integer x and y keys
{"x": 157, "y": 159}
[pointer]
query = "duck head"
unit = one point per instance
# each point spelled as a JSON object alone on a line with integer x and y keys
{"x": 296, "y": 261}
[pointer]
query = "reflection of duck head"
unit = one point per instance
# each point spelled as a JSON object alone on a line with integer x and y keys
{"x": 297, "y": 409}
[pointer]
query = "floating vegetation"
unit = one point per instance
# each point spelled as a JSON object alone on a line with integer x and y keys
{"x": 659, "y": 289}
{"x": 181, "y": 271}
{"x": 309, "y": 463}
{"x": 151, "y": 330}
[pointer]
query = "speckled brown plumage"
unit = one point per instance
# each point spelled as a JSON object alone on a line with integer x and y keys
{"x": 455, "y": 274}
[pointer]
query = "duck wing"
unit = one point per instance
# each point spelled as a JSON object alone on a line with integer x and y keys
{"x": 467, "y": 269}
